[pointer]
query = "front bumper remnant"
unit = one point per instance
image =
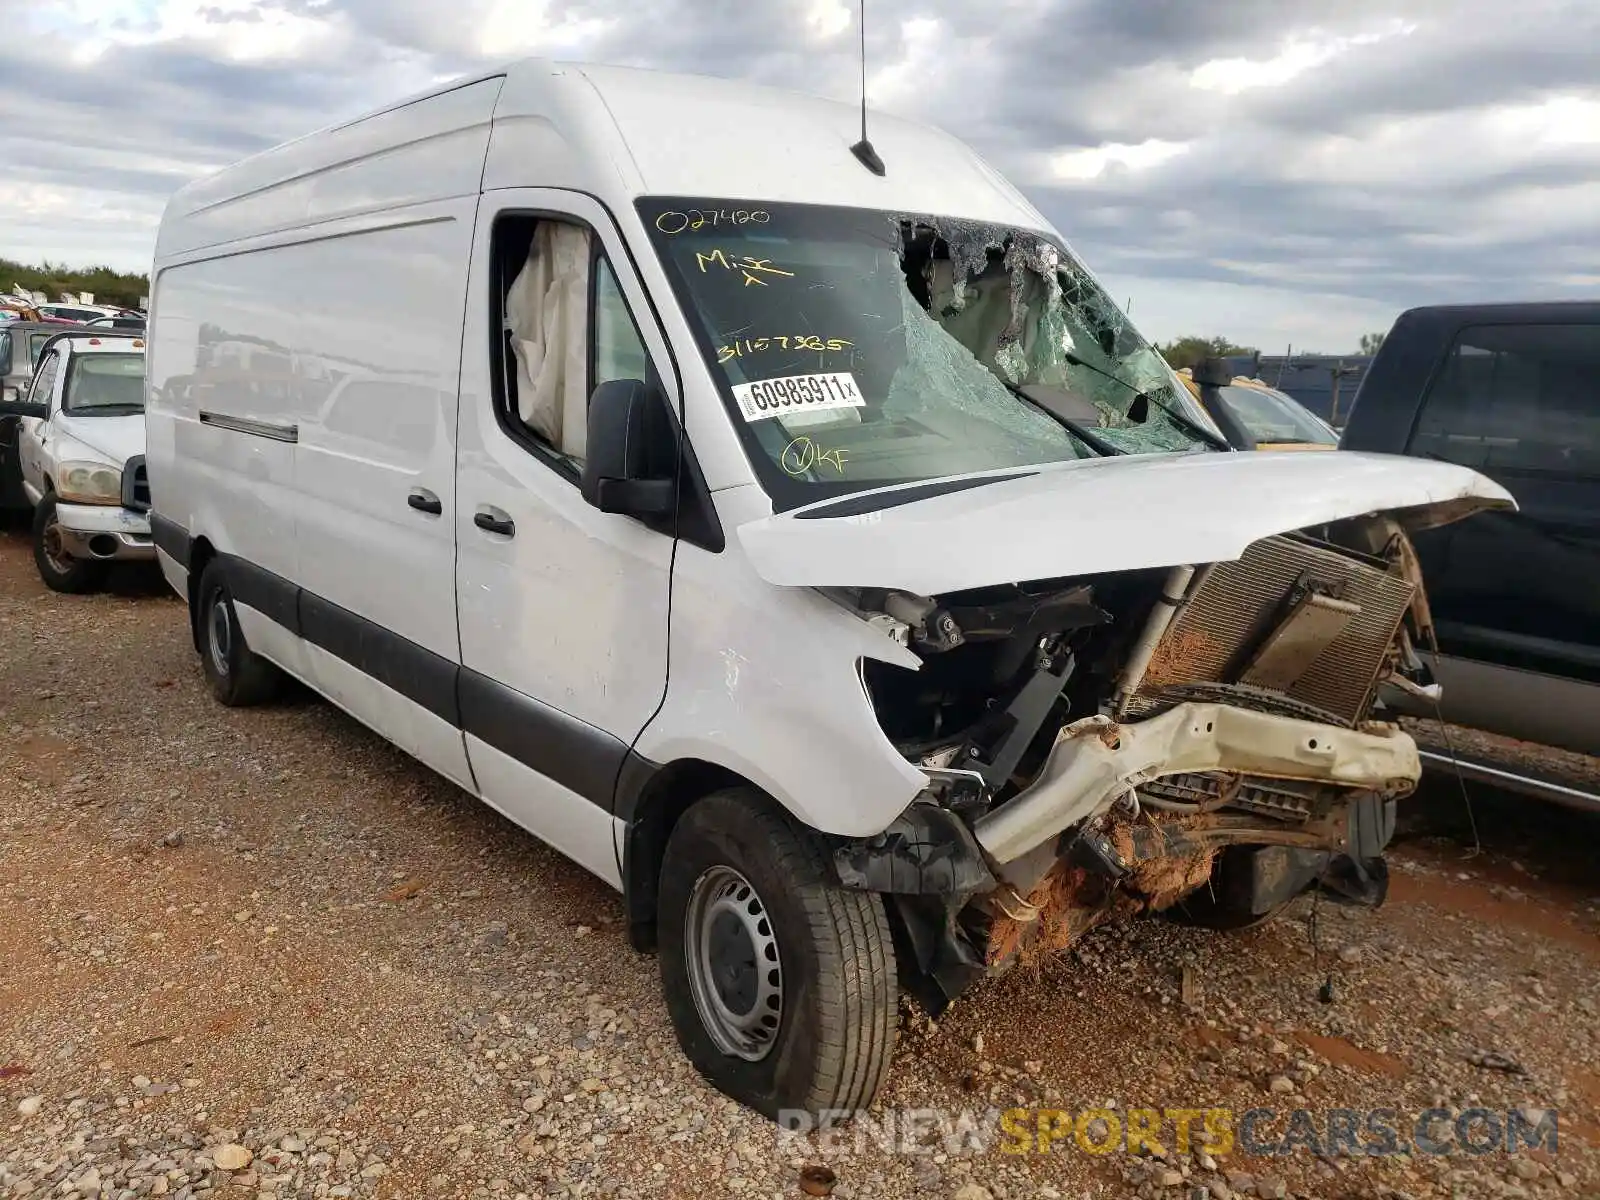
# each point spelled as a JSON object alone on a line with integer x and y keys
{"x": 1096, "y": 760}
{"x": 105, "y": 532}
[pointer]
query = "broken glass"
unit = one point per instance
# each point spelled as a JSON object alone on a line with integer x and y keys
{"x": 859, "y": 349}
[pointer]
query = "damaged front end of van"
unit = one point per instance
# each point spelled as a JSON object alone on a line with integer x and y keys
{"x": 1196, "y": 738}
{"x": 1137, "y": 671}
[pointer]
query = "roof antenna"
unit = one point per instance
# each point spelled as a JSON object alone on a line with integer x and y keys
{"x": 863, "y": 150}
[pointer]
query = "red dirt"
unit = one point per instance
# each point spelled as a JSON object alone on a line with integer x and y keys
{"x": 1469, "y": 898}
{"x": 1178, "y": 656}
{"x": 1342, "y": 1053}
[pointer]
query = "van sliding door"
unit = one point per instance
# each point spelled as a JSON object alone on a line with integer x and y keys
{"x": 379, "y": 352}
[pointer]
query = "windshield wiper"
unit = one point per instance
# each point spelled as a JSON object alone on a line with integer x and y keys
{"x": 1078, "y": 430}
{"x": 1178, "y": 416}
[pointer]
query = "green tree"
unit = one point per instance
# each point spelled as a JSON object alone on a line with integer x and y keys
{"x": 1190, "y": 351}
{"x": 108, "y": 286}
{"x": 1371, "y": 343}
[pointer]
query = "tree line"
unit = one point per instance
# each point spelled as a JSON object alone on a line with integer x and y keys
{"x": 107, "y": 285}
{"x": 1191, "y": 351}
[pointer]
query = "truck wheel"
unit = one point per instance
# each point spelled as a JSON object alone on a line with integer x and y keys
{"x": 60, "y": 571}
{"x": 781, "y": 984}
{"x": 238, "y": 676}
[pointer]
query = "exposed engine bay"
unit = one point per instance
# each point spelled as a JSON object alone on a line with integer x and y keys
{"x": 1193, "y": 738}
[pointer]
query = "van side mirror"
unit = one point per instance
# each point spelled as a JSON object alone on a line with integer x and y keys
{"x": 624, "y": 468}
{"x": 24, "y": 408}
{"x": 1212, "y": 372}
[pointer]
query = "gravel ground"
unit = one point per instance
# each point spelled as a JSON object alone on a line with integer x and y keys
{"x": 262, "y": 954}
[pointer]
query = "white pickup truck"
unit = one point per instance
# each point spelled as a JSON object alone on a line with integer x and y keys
{"x": 81, "y": 453}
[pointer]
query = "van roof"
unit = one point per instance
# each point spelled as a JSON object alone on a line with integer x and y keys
{"x": 617, "y": 133}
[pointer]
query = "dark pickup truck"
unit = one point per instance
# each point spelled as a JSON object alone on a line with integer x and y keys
{"x": 1513, "y": 391}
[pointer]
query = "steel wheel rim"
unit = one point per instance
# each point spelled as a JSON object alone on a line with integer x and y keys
{"x": 55, "y": 548}
{"x": 735, "y": 971}
{"x": 219, "y": 633}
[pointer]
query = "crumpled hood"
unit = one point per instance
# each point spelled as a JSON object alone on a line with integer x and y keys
{"x": 115, "y": 438}
{"x": 1098, "y": 515}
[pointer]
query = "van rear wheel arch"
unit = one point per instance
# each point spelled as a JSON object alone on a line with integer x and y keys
{"x": 201, "y": 552}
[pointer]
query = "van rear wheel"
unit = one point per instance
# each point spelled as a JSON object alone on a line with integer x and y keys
{"x": 238, "y": 676}
{"x": 781, "y": 984}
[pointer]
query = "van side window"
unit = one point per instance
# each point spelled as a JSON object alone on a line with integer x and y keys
{"x": 618, "y": 350}
{"x": 1520, "y": 398}
{"x": 561, "y": 326}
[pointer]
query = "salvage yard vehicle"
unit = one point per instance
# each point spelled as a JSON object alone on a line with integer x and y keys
{"x": 1512, "y": 390}
{"x": 978, "y": 635}
{"x": 20, "y": 343}
{"x": 79, "y": 313}
{"x": 13, "y": 308}
{"x": 1254, "y": 416}
{"x": 80, "y": 444}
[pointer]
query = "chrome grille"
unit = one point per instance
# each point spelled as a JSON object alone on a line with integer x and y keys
{"x": 1238, "y": 604}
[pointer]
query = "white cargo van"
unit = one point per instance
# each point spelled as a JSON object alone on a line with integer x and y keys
{"x": 813, "y": 551}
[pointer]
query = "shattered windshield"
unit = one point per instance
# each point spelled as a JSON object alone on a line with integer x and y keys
{"x": 860, "y": 349}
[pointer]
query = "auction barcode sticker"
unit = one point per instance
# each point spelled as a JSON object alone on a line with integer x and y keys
{"x": 797, "y": 393}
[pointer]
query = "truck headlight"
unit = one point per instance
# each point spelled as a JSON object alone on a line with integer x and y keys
{"x": 89, "y": 483}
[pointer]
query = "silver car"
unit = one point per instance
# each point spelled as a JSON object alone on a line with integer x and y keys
{"x": 20, "y": 342}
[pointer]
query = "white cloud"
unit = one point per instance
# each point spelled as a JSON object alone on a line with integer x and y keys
{"x": 242, "y": 31}
{"x": 1296, "y": 56}
{"x": 514, "y": 27}
{"x": 1270, "y": 318}
{"x": 1424, "y": 152}
{"x": 897, "y": 83}
{"x": 1096, "y": 161}
{"x": 1569, "y": 120}
{"x": 829, "y": 18}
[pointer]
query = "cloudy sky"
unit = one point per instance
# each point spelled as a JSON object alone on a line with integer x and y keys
{"x": 1277, "y": 171}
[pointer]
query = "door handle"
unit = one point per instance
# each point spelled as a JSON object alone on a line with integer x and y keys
{"x": 425, "y": 501}
{"x": 494, "y": 520}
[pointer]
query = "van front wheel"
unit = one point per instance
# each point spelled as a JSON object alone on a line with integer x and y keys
{"x": 238, "y": 676}
{"x": 781, "y": 984}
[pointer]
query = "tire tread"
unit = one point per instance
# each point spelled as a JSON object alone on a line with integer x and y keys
{"x": 857, "y": 987}
{"x": 252, "y": 680}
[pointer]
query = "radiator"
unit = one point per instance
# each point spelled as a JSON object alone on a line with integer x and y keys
{"x": 1237, "y": 606}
